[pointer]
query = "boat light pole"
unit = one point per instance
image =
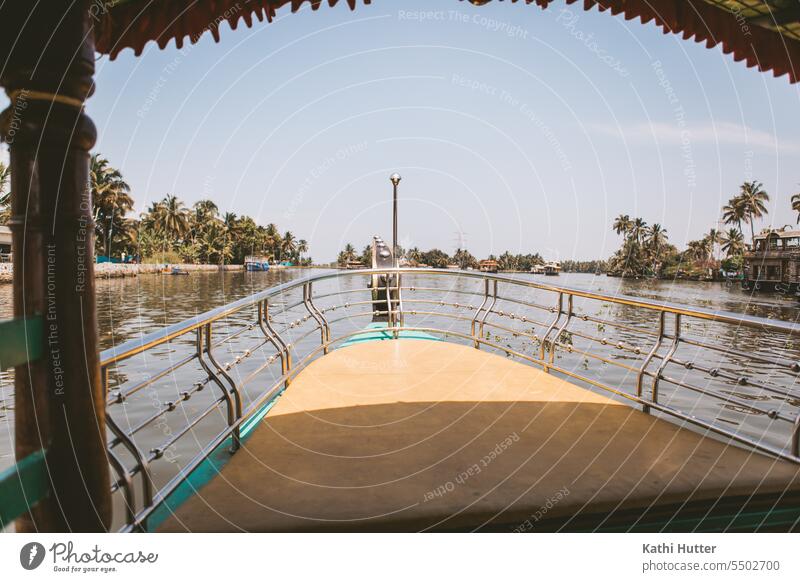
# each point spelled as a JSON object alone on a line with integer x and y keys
{"x": 395, "y": 178}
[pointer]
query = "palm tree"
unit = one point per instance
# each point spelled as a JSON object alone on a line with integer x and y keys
{"x": 754, "y": 198}
{"x": 656, "y": 236}
{"x": 273, "y": 239}
{"x": 715, "y": 238}
{"x": 172, "y": 218}
{"x": 622, "y": 224}
{"x": 734, "y": 212}
{"x": 796, "y": 205}
{"x": 205, "y": 209}
{"x": 732, "y": 243}
{"x": 111, "y": 200}
{"x": 5, "y": 193}
{"x": 302, "y": 247}
{"x": 637, "y": 229}
{"x": 288, "y": 244}
{"x": 655, "y": 240}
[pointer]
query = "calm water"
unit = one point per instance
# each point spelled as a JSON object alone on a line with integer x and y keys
{"x": 130, "y": 307}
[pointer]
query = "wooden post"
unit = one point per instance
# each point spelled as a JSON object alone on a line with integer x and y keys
{"x": 59, "y": 404}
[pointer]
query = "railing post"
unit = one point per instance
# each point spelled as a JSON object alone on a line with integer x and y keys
{"x": 668, "y": 358}
{"x": 324, "y": 329}
{"x": 275, "y": 339}
{"x": 204, "y": 347}
{"x": 558, "y": 311}
{"x": 488, "y": 309}
{"x": 662, "y": 316}
{"x": 478, "y": 312}
{"x": 389, "y": 308}
{"x": 59, "y": 406}
{"x": 557, "y": 338}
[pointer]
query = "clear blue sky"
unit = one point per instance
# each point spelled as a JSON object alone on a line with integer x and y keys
{"x": 522, "y": 129}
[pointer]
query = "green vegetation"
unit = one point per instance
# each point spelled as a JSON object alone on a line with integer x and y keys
{"x": 5, "y": 193}
{"x": 645, "y": 251}
{"x": 438, "y": 259}
{"x": 170, "y": 232}
{"x": 584, "y": 266}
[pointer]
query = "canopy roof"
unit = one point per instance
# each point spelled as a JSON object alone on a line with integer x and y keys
{"x": 763, "y": 33}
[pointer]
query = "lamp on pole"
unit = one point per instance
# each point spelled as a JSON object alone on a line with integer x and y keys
{"x": 395, "y": 178}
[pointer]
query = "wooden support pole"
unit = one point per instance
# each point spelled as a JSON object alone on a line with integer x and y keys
{"x": 59, "y": 404}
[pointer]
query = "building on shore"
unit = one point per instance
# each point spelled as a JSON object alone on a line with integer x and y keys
{"x": 488, "y": 266}
{"x": 5, "y": 244}
{"x": 774, "y": 261}
{"x": 552, "y": 269}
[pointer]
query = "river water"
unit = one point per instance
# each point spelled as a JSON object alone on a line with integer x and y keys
{"x": 128, "y": 308}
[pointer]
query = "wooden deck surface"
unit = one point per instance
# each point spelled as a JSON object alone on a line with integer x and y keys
{"x": 414, "y": 435}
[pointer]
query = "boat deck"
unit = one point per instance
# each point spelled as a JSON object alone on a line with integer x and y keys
{"x": 418, "y": 435}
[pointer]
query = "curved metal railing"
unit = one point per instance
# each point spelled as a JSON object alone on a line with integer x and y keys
{"x": 184, "y": 391}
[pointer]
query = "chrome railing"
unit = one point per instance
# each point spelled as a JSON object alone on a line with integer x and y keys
{"x": 186, "y": 390}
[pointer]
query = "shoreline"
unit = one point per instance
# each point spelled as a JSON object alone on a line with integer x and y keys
{"x": 123, "y": 270}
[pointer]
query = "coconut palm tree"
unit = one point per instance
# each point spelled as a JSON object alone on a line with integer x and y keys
{"x": 735, "y": 212}
{"x": 622, "y": 224}
{"x": 111, "y": 200}
{"x": 172, "y": 218}
{"x": 754, "y": 199}
{"x": 655, "y": 239}
{"x": 288, "y": 245}
{"x": 302, "y": 247}
{"x": 796, "y": 205}
{"x": 732, "y": 243}
{"x": 715, "y": 238}
{"x": 637, "y": 229}
{"x": 204, "y": 210}
{"x": 5, "y": 193}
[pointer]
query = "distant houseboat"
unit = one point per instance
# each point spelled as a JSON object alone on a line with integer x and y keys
{"x": 774, "y": 262}
{"x": 256, "y": 263}
{"x": 488, "y": 266}
{"x": 552, "y": 268}
{"x": 537, "y": 269}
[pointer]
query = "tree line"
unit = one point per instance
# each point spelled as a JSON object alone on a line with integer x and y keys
{"x": 646, "y": 251}
{"x": 169, "y": 231}
{"x": 439, "y": 259}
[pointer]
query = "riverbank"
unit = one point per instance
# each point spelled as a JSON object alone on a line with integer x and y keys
{"x": 120, "y": 270}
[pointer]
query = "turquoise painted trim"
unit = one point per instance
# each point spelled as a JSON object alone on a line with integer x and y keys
{"x": 206, "y": 471}
{"x": 23, "y": 486}
{"x": 20, "y": 341}
{"x": 375, "y": 332}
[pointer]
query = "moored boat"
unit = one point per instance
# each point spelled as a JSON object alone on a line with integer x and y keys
{"x": 256, "y": 263}
{"x": 552, "y": 268}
